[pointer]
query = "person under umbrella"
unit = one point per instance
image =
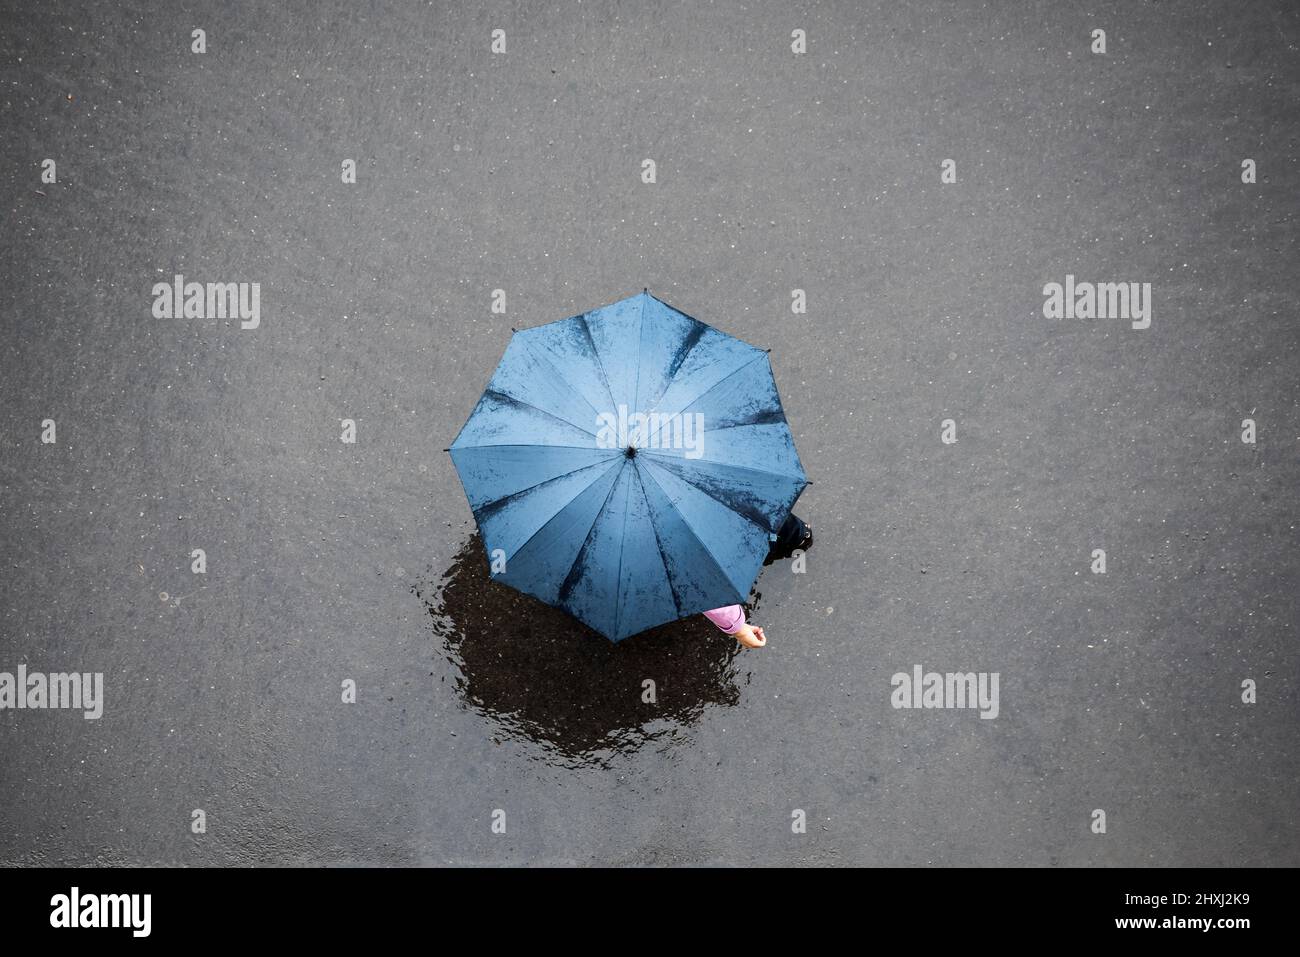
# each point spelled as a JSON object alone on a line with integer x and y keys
{"x": 630, "y": 465}
{"x": 795, "y": 535}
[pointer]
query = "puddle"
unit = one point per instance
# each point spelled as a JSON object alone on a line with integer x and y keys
{"x": 542, "y": 676}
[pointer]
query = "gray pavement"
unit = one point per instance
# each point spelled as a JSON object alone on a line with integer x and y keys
{"x": 521, "y": 171}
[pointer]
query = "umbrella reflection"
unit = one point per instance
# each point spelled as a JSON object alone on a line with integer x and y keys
{"x": 543, "y": 676}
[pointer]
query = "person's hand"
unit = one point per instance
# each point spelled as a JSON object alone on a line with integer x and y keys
{"x": 751, "y": 636}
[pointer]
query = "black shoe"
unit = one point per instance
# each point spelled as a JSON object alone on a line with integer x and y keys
{"x": 807, "y": 538}
{"x": 779, "y": 551}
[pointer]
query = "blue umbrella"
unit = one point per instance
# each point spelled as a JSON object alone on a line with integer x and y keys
{"x": 629, "y": 465}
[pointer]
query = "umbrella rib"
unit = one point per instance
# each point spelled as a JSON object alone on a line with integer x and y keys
{"x": 659, "y": 544}
{"x": 728, "y": 465}
{"x": 595, "y": 354}
{"x": 770, "y": 417}
{"x": 618, "y": 577}
{"x": 517, "y": 401}
{"x": 694, "y": 534}
{"x": 640, "y": 342}
{"x": 566, "y": 587}
{"x": 539, "y": 528}
{"x": 729, "y": 508}
{"x": 498, "y": 503}
{"x": 739, "y": 369}
{"x": 559, "y": 376}
{"x": 530, "y": 445}
{"x": 684, "y": 350}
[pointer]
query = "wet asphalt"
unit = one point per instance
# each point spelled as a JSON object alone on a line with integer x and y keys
{"x": 522, "y": 171}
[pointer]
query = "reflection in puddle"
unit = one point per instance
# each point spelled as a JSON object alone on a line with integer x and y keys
{"x": 548, "y": 678}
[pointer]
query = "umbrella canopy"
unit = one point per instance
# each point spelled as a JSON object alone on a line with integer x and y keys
{"x": 627, "y": 465}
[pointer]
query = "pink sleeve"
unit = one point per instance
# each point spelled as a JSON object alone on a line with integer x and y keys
{"x": 729, "y": 618}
